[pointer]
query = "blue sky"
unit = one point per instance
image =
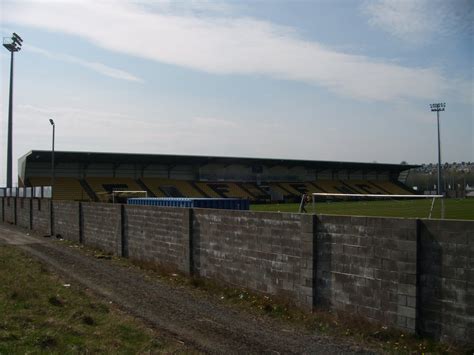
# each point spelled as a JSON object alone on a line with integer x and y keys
{"x": 323, "y": 80}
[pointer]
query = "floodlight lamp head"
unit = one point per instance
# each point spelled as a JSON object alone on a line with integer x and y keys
{"x": 11, "y": 44}
{"x": 438, "y": 107}
{"x": 16, "y": 42}
{"x": 51, "y": 121}
{"x": 16, "y": 37}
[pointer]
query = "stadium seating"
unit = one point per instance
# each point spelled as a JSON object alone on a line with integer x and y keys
{"x": 289, "y": 189}
{"x": 186, "y": 189}
{"x": 365, "y": 187}
{"x": 104, "y": 186}
{"x": 99, "y": 188}
{"x": 167, "y": 188}
{"x": 255, "y": 191}
{"x": 391, "y": 187}
{"x": 280, "y": 190}
{"x": 234, "y": 190}
{"x": 152, "y": 185}
{"x": 330, "y": 186}
{"x": 182, "y": 188}
{"x": 337, "y": 186}
{"x": 295, "y": 189}
{"x": 208, "y": 191}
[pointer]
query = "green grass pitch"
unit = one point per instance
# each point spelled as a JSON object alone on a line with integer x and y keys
{"x": 454, "y": 208}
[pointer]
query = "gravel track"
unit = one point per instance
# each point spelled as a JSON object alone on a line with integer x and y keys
{"x": 198, "y": 321}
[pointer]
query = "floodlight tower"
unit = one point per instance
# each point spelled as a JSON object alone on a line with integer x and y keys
{"x": 12, "y": 44}
{"x": 438, "y": 107}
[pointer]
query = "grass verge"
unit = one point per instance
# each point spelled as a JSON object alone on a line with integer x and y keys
{"x": 39, "y": 313}
{"x": 354, "y": 330}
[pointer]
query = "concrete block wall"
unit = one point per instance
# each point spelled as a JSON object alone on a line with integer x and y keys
{"x": 446, "y": 279}
{"x": 41, "y": 216}
{"x": 10, "y": 210}
{"x": 367, "y": 267}
{"x": 417, "y": 275}
{"x": 158, "y": 235}
{"x": 66, "y": 218}
{"x": 23, "y": 212}
{"x": 102, "y": 226}
{"x": 256, "y": 250}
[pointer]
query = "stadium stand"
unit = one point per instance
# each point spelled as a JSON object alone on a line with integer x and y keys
{"x": 93, "y": 176}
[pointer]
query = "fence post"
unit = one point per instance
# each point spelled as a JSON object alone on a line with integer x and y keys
{"x": 307, "y": 285}
{"x": 14, "y": 211}
{"x": 188, "y": 230}
{"x": 81, "y": 224}
{"x": 419, "y": 268}
{"x": 51, "y": 217}
{"x": 30, "y": 202}
{"x": 123, "y": 233}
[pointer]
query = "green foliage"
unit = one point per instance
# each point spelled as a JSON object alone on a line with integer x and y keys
{"x": 40, "y": 314}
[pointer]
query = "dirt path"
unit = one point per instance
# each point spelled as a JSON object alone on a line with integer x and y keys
{"x": 199, "y": 321}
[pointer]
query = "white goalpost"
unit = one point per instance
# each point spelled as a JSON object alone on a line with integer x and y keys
{"x": 305, "y": 200}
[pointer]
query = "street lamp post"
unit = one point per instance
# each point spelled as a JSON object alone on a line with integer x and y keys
{"x": 52, "y": 158}
{"x": 12, "y": 44}
{"x": 438, "y": 107}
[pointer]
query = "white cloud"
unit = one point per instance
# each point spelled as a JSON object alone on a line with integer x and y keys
{"x": 228, "y": 45}
{"x": 69, "y": 112}
{"x": 95, "y": 66}
{"x": 421, "y": 20}
{"x": 190, "y": 7}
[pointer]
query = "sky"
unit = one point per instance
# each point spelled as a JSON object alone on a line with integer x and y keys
{"x": 340, "y": 80}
